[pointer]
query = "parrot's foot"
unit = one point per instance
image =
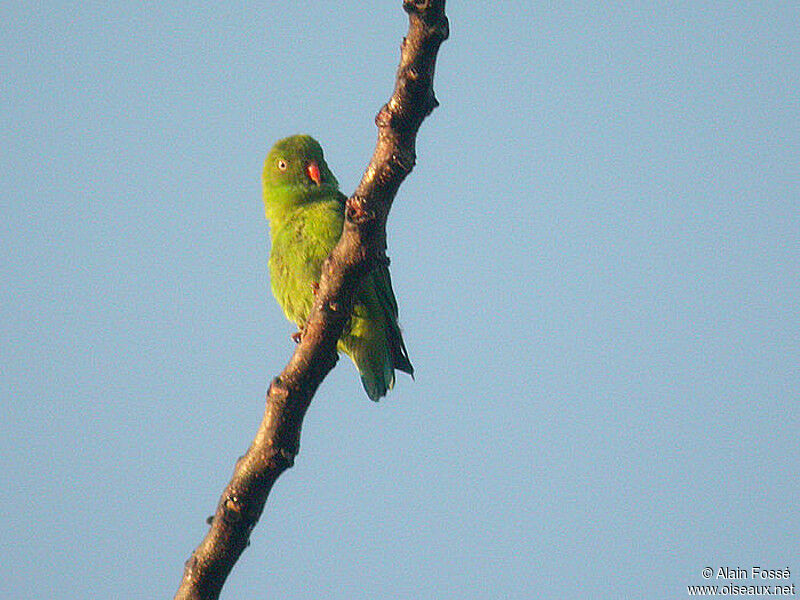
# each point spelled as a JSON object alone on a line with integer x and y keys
{"x": 297, "y": 336}
{"x": 315, "y": 288}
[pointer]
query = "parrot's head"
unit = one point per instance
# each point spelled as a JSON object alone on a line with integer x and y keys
{"x": 297, "y": 162}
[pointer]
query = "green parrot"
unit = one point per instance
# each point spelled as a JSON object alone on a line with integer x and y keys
{"x": 305, "y": 210}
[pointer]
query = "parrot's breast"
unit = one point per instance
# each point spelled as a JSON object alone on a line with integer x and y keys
{"x": 300, "y": 244}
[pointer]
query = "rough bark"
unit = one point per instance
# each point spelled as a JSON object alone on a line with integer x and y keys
{"x": 361, "y": 247}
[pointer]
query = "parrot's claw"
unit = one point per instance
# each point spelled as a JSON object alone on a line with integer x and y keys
{"x": 297, "y": 336}
{"x": 315, "y": 288}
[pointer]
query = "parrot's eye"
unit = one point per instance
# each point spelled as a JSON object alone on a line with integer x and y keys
{"x": 281, "y": 164}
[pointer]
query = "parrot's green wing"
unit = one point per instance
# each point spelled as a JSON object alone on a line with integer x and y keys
{"x": 383, "y": 285}
{"x": 373, "y": 339}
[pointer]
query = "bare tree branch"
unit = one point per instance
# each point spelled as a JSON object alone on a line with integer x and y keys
{"x": 361, "y": 247}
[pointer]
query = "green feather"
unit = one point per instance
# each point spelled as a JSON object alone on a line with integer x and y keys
{"x": 306, "y": 220}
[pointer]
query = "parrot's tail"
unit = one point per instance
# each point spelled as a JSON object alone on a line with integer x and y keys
{"x": 377, "y": 376}
{"x": 374, "y": 340}
{"x": 377, "y": 354}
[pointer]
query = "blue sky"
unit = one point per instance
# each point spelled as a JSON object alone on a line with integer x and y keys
{"x": 596, "y": 260}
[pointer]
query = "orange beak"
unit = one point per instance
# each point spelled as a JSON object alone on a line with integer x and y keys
{"x": 313, "y": 172}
